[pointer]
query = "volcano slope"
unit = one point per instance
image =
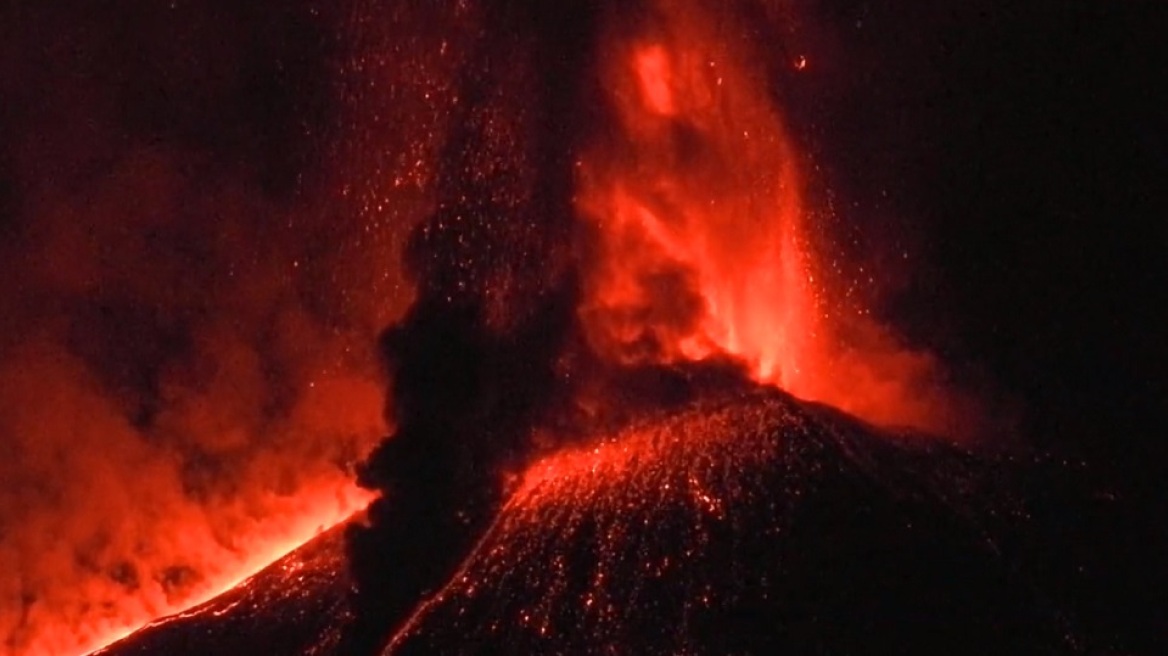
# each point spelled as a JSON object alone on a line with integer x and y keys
{"x": 742, "y": 522}
{"x": 297, "y": 605}
{"x": 746, "y": 523}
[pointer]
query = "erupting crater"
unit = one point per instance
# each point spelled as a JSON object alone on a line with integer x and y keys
{"x": 740, "y": 521}
{"x": 634, "y": 411}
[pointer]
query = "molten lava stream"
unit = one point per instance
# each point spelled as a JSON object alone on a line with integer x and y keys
{"x": 315, "y": 511}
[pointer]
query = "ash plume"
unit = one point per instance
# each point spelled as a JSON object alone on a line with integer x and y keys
{"x": 473, "y": 362}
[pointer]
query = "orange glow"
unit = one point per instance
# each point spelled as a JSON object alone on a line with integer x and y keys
{"x": 653, "y": 71}
{"x": 744, "y": 428}
{"x": 226, "y": 567}
{"x": 699, "y": 216}
{"x": 123, "y": 533}
{"x": 702, "y": 242}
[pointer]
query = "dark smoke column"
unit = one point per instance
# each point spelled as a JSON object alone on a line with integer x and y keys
{"x": 474, "y": 360}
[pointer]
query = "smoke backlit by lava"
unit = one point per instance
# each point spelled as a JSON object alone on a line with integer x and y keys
{"x": 702, "y": 240}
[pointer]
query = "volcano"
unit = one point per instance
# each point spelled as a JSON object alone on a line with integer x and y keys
{"x": 640, "y": 391}
{"x": 739, "y": 521}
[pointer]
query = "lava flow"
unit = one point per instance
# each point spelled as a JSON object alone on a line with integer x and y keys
{"x": 283, "y": 527}
{"x": 295, "y": 605}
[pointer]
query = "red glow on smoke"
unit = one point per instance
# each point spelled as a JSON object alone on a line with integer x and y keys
{"x": 704, "y": 244}
{"x": 188, "y": 366}
{"x": 653, "y": 70}
{"x": 274, "y": 537}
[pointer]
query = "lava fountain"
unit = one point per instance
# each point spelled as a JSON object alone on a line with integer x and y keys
{"x": 701, "y": 242}
{"x": 619, "y": 210}
{"x": 633, "y": 409}
{"x": 616, "y": 217}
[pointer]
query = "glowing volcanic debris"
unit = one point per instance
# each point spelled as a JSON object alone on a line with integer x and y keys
{"x": 743, "y": 523}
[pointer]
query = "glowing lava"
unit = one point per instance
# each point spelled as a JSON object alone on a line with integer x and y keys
{"x": 700, "y": 240}
{"x": 296, "y": 601}
{"x": 267, "y": 541}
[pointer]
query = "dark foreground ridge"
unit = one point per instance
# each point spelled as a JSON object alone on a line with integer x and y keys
{"x": 744, "y": 523}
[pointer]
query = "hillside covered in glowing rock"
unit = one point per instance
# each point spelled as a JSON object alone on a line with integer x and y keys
{"x": 746, "y": 522}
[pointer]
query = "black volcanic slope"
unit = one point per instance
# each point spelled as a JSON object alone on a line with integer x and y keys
{"x": 749, "y": 525}
{"x": 744, "y": 523}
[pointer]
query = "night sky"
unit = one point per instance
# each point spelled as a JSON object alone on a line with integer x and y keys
{"x": 1015, "y": 151}
{"x": 1063, "y": 279}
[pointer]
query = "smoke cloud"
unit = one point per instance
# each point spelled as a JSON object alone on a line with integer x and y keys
{"x": 189, "y": 308}
{"x": 473, "y": 362}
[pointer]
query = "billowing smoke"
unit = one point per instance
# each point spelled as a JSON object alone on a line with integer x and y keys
{"x": 474, "y": 361}
{"x": 188, "y": 314}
